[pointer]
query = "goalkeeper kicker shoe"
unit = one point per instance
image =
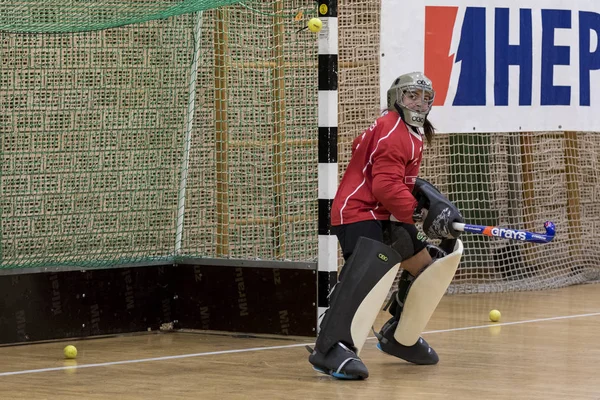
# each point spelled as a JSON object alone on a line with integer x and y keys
{"x": 340, "y": 362}
{"x": 419, "y": 353}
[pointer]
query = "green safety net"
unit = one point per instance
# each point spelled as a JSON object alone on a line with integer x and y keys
{"x": 34, "y": 16}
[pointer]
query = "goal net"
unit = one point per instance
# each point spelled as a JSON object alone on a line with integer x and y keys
{"x": 142, "y": 131}
{"x": 155, "y": 131}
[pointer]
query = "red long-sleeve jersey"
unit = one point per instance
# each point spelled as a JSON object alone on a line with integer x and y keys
{"x": 381, "y": 174}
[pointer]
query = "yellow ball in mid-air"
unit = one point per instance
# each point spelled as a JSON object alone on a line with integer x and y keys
{"x": 315, "y": 25}
{"x": 70, "y": 351}
{"x": 495, "y": 315}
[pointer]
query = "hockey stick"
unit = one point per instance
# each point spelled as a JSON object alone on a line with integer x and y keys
{"x": 505, "y": 233}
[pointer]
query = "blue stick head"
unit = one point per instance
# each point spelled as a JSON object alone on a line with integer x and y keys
{"x": 550, "y": 228}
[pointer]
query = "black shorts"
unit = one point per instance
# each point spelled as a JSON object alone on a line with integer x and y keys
{"x": 404, "y": 238}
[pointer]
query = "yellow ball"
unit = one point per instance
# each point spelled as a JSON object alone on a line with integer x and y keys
{"x": 70, "y": 351}
{"x": 315, "y": 25}
{"x": 495, "y": 315}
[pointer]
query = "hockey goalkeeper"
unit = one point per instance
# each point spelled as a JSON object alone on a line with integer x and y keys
{"x": 373, "y": 215}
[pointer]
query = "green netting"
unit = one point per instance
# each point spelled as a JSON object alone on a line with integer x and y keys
{"x": 35, "y": 16}
{"x": 92, "y": 135}
{"x": 95, "y": 129}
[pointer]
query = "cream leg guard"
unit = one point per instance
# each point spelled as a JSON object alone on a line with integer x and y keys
{"x": 367, "y": 312}
{"x": 412, "y": 307}
{"x": 424, "y": 295}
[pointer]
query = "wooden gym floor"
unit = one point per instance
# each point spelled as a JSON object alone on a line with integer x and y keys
{"x": 547, "y": 346}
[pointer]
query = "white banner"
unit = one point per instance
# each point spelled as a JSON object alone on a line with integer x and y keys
{"x": 498, "y": 66}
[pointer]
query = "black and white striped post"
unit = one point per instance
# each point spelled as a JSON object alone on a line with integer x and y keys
{"x": 328, "y": 154}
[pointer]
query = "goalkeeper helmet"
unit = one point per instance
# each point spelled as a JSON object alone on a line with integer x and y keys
{"x": 412, "y": 96}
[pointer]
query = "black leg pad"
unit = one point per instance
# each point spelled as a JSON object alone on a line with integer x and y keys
{"x": 370, "y": 263}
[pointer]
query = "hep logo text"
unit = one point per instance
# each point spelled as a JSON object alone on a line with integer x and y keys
{"x": 471, "y": 54}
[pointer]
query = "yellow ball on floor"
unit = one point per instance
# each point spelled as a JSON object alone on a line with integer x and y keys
{"x": 495, "y": 315}
{"x": 315, "y": 25}
{"x": 70, "y": 351}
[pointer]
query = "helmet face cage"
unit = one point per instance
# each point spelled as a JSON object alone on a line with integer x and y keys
{"x": 415, "y": 98}
{"x": 413, "y": 94}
